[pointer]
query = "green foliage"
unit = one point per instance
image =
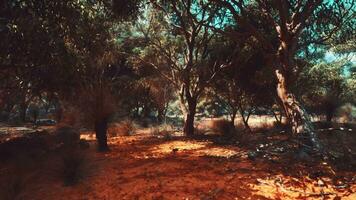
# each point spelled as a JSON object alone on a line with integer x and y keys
{"x": 326, "y": 86}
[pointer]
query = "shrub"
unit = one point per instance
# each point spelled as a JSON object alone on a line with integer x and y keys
{"x": 164, "y": 132}
{"x": 223, "y": 127}
{"x": 127, "y": 128}
{"x": 155, "y": 131}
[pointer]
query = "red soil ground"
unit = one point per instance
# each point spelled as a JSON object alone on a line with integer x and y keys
{"x": 145, "y": 167}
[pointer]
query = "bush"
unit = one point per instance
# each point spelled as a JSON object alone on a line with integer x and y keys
{"x": 224, "y": 128}
{"x": 125, "y": 128}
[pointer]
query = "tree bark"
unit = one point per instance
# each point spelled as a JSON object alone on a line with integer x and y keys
{"x": 189, "y": 120}
{"x": 233, "y": 116}
{"x": 298, "y": 118}
{"x": 245, "y": 118}
{"x": 182, "y": 105}
{"x": 160, "y": 116}
{"x": 277, "y": 117}
{"x": 101, "y": 126}
{"x": 23, "y": 109}
{"x": 330, "y": 109}
{"x": 329, "y": 116}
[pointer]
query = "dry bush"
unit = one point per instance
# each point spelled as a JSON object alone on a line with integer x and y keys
{"x": 223, "y": 127}
{"x": 155, "y": 131}
{"x": 200, "y": 131}
{"x": 124, "y": 128}
{"x": 165, "y": 131}
{"x": 346, "y": 113}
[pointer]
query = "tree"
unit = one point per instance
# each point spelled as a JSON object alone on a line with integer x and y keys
{"x": 67, "y": 42}
{"x": 178, "y": 48}
{"x": 328, "y": 86}
{"x": 317, "y": 20}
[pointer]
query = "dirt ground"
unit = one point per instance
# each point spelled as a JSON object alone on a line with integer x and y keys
{"x": 147, "y": 167}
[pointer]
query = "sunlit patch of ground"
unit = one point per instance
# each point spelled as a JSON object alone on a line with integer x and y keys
{"x": 283, "y": 187}
{"x": 87, "y": 135}
{"x": 219, "y": 152}
{"x": 170, "y": 147}
{"x": 8, "y": 132}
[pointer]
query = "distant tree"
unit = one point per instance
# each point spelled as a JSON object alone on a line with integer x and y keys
{"x": 65, "y": 43}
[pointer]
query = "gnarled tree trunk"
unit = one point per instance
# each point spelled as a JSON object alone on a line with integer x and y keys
{"x": 298, "y": 118}
{"x": 101, "y": 126}
{"x": 189, "y": 119}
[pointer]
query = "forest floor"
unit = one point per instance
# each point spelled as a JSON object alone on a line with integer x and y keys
{"x": 146, "y": 166}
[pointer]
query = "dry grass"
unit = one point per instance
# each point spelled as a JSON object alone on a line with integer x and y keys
{"x": 124, "y": 128}
{"x": 223, "y": 127}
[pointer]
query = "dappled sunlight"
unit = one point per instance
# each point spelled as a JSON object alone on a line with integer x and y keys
{"x": 218, "y": 152}
{"x": 193, "y": 148}
{"x": 289, "y": 188}
{"x": 87, "y": 135}
{"x": 178, "y": 146}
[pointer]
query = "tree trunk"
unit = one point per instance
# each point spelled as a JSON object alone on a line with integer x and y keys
{"x": 101, "y": 126}
{"x": 182, "y": 105}
{"x": 278, "y": 117}
{"x": 59, "y": 112}
{"x": 245, "y": 121}
{"x": 159, "y": 116}
{"x": 233, "y": 116}
{"x": 245, "y": 118}
{"x": 330, "y": 109}
{"x": 297, "y": 117}
{"x": 189, "y": 124}
{"x": 23, "y": 109}
{"x": 189, "y": 120}
{"x": 329, "y": 116}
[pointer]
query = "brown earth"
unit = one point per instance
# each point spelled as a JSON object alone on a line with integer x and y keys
{"x": 147, "y": 167}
